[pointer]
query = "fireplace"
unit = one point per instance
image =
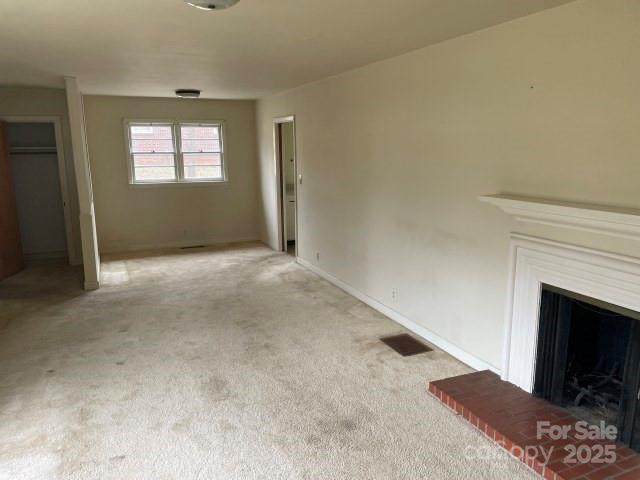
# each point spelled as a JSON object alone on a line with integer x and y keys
{"x": 571, "y": 321}
{"x": 587, "y": 359}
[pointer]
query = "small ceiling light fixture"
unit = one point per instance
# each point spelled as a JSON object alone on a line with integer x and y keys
{"x": 212, "y": 4}
{"x": 188, "y": 93}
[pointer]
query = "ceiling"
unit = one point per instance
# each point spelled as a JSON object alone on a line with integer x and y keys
{"x": 258, "y": 47}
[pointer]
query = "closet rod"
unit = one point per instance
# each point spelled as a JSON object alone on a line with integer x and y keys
{"x": 32, "y": 150}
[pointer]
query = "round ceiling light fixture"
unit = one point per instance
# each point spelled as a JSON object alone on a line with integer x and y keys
{"x": 188, "y": 93}
{"x": 211, "y": 4}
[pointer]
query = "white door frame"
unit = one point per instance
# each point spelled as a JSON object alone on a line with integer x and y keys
{"x": 62, "y": 174}
{"x": 280, "y": 182}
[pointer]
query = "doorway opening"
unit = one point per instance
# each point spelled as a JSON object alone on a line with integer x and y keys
{"x": 287, "y": 179}
{"x": 37, "y": 165}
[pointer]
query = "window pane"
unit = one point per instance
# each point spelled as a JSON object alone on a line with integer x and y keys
{"x": 202, "y": 159}
{"x": 158, "y": 132}
{"x": 154, "y": 157}
{"x": 202, "y": 132}
{"x": 193, "y": 172}
{"x": 151, "y": 145}
{"x": 153, "y": 160}
{"x": 200, "y": 145}
{"x": 155, "y": 173}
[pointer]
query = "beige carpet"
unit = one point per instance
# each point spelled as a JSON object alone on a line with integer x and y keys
{"x": 221, "y": 363}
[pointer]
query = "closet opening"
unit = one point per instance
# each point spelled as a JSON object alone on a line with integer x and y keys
{"x": 36, "y": 165}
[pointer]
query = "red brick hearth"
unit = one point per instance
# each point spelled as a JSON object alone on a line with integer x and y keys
{"x": 509, "y": 416}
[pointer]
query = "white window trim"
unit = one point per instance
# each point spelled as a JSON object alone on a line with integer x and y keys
{"x": 177, "y": 146}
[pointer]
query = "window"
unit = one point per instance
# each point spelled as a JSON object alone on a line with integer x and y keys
{"x": 153, "y": 155}
{"x": 201, "y": 150}
{"x": 169, "y": 152}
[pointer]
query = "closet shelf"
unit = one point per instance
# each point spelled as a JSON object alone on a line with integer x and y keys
{"x": 32, "y": 150}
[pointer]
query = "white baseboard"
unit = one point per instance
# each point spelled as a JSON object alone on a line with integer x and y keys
{"x": 428, "y": 335}
{"x": 126, "y": 247}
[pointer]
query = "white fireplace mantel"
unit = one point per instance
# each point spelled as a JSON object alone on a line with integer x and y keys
{"x": 619, "y": 222}
{"x": 536, "y": 262}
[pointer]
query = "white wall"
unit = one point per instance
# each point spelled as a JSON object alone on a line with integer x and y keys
{"x": 137, "y": 217}
{"x": 395, "y": 154}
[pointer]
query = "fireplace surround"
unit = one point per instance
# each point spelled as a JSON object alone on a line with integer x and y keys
{"x": 561, "y": 296}
{"x": 597, "y": 274}
{"x": 546, "y": 275}
{"x": 607, "y": 277}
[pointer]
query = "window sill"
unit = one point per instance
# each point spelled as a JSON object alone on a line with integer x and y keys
{"x": 192, "y": 183}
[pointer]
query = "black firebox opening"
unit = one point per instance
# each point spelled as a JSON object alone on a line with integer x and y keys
{"x": 588, "y": 359}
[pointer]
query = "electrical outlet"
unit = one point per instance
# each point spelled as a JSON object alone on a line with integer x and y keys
{"x": 318, "y": 256}
{"x": 394, "y": 293}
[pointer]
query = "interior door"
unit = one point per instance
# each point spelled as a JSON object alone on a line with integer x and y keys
{"x": 11, "y": 260}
